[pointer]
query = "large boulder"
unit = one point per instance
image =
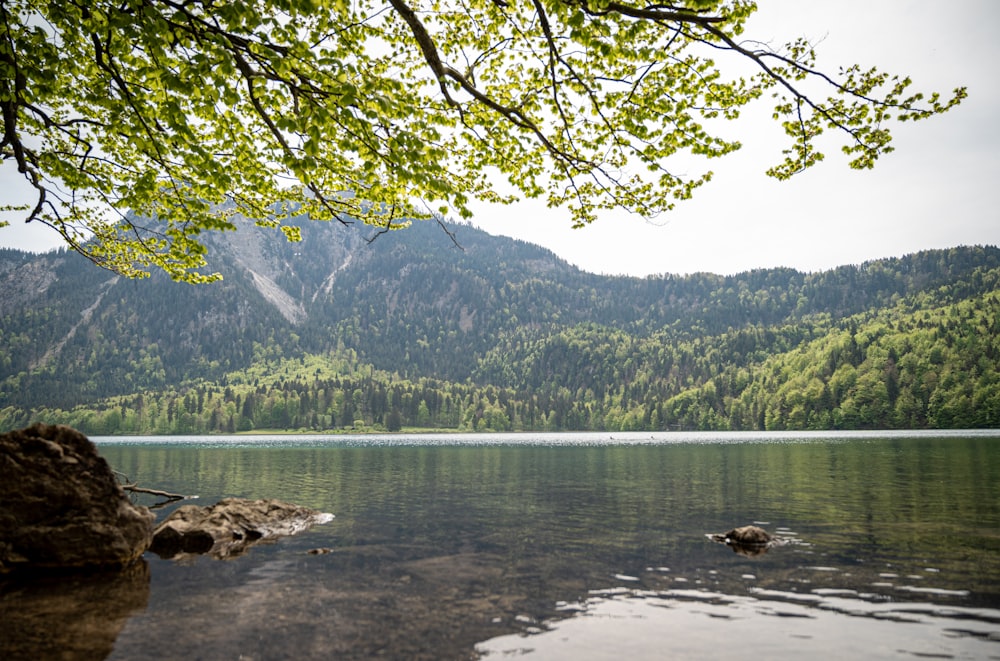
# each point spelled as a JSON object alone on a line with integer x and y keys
{"x": 62, "y": 506}
{"x": 230, "y": 527}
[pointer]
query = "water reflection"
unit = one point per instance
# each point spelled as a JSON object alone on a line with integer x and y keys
{"x": 437, "y": 548}
{"x": 74, "y": 617}
{"x": 692, "y": 624}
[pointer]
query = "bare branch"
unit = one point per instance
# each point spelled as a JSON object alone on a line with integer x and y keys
{"x": 132, "y": 487}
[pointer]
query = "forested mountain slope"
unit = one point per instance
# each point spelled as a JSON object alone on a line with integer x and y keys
{"x": 489, "y": 315}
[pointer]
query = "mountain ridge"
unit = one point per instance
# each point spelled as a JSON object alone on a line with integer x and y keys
{"x": 480, "y": 309}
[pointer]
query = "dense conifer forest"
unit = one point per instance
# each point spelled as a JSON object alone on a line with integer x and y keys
{"x": 415, "y": 331}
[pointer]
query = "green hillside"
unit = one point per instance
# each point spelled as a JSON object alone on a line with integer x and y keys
{"x": 412, "y": 331}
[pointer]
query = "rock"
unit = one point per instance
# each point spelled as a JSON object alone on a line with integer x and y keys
{"x": 747, "y": 540}
{"x": 62, "y": 506}
{"x": 230, "y": 527}
{"x": 748, "y": 535}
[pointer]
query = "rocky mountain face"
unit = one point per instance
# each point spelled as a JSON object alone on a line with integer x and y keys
{"x": 71, "y": 331}
{"x": 415, "y": 302}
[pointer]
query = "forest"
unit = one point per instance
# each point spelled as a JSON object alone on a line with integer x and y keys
{"x": 498, "y": 336}
{"x": 933, "y": 369}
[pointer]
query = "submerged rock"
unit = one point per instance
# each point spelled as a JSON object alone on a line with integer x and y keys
{"x": 748, "y": 535}
{"x": 230, "y": 527}
{"x": 62, "y": 505}
{"x": 747, "y": 540}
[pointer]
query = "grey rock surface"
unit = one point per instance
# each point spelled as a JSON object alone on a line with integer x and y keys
{"x": 230, "y": 527}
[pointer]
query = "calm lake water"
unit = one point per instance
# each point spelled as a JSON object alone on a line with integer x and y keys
{"x": 578, "y": 546}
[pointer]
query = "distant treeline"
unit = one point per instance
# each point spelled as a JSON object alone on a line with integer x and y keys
{"x": 918, "y": 364}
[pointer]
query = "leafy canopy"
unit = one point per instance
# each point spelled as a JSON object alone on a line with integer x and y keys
{"x": 188, "y": 111}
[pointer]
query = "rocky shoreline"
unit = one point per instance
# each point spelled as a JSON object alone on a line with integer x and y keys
{"x": 65, "y": 509}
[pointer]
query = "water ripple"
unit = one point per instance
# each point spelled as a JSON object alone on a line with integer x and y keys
{"x": 643, "y": 624}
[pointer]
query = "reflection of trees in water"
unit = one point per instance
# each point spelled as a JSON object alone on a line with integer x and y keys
{"x": 73, "y": 617}
{"x": 434, "y": 549}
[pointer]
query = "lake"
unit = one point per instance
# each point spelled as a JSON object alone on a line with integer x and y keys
{"x": 570, "y": 546}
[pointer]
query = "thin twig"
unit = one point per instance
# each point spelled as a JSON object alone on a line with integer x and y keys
{"x": 155, "y": 492}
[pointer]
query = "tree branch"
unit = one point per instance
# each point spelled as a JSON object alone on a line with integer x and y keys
{"x": 659, "y": 13}
{"x": 132, "y": 487}
{"x": 442, "y": 72}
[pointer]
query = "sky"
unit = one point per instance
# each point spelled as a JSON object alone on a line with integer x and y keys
{"x": 937, "y": 190}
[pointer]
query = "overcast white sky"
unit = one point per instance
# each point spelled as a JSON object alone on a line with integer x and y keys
{"x": 936, "y": 190}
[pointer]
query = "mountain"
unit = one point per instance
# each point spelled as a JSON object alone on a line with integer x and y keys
{"x": 460, "y": 307}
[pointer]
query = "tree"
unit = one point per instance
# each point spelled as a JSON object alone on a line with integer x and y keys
{"x": 393, "y": 421}
{"x": 140, "y": 124}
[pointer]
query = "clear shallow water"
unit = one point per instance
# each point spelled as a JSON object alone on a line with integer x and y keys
{"x": 583, "y": 547}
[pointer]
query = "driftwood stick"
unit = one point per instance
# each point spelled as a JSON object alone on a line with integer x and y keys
{"x": 154, "y": 492}
{"x": 132, "y": 487}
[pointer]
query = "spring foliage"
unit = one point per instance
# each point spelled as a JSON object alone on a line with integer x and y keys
{"x": 936, "y": 368}
{"x": 909, "y": 342}
{"x": 186, "y": 112}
